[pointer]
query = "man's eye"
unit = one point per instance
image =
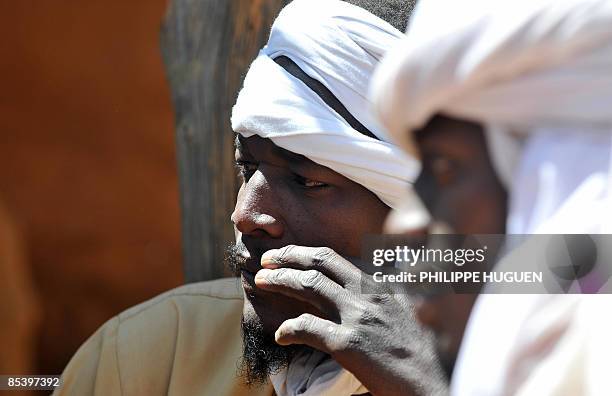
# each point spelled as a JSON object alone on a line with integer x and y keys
{"x": 443, "y": 170}
{"x": 245, "y": 169}
{"x": 309, "y": 183}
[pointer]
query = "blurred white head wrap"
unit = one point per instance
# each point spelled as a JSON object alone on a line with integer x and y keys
{"x": 339, "y": 45}
{"x": 537, "y": 74}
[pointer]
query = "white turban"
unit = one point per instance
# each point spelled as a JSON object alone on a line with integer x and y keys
{"x": 339, "y": 45}
{"x": 537, "y": 75}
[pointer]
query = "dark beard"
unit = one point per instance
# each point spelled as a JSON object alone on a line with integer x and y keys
{"x": 231, "y": 259}
{"x": 261, "y": 355}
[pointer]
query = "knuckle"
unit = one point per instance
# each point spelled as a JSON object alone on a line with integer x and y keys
{"x": 295, "y": 327}
{"x": 303, "y": 323}
{"x": 371, "y": 315}
{"x": 310, "y": 279}
{"x": 323, "y": 255}
{"x": 380, "y": 298}
{"x": 278, "y": 276}
{"x": 284, "y": 254}
{"x": 352, "y": 340}
{"x": 370, "y": 319}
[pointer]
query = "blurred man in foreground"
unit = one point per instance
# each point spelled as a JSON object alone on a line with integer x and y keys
{"x": 515, "y": 99}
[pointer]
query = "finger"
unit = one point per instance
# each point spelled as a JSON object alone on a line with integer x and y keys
{"x": 307, "y": 329}
{"x": 321, "y": 259}
{"x": 310, "y": 286}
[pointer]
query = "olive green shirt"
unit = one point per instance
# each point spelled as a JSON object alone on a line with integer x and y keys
{"x": 184, "y": 342}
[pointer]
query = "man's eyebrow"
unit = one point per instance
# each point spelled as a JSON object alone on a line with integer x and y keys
{"x": 295, "y": 161}
{"x": 298, "y": 162}
{"x": 292, "y": 157}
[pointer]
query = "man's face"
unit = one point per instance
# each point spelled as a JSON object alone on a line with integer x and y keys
{"x": 460, "y": 188}
{"x": 287, "y": 199}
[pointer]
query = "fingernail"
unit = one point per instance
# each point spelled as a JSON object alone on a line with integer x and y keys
{"x": 262, "y": 276}
{"x": 277, "y": 336}
{"x": 267, "y": 259}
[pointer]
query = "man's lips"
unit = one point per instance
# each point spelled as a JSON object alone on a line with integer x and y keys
{"x": 249, "y": 264}
{"x": 248, "y": 267}
{"x": 248, "y": 282}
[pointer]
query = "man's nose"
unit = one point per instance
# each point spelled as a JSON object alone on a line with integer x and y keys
{"x": 256, "y": 212}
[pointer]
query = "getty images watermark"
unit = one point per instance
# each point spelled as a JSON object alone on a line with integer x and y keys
{"x": 519, "y": 264}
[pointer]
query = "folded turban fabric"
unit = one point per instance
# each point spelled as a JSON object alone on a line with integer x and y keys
{"x": 537, "y": 75}
{"x": 339, "y": 45}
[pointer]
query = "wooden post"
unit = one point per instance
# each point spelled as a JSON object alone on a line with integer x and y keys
{"x": 207, "y": 46}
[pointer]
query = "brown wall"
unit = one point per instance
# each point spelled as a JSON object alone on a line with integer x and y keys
{"x": 87, "y": 161}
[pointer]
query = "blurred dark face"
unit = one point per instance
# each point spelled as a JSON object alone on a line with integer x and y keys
{"x": 460, "y": 188}
{"x": 457, "y": 182}
{"x": 286, "y": 199}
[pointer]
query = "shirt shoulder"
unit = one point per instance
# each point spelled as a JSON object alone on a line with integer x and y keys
{"x": 184, "y": 341}
{"x": 194, "y": 293}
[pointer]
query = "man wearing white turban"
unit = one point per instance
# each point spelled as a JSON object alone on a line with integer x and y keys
{"x": 316, "y": 170}
{"x": 515, "y": 96}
